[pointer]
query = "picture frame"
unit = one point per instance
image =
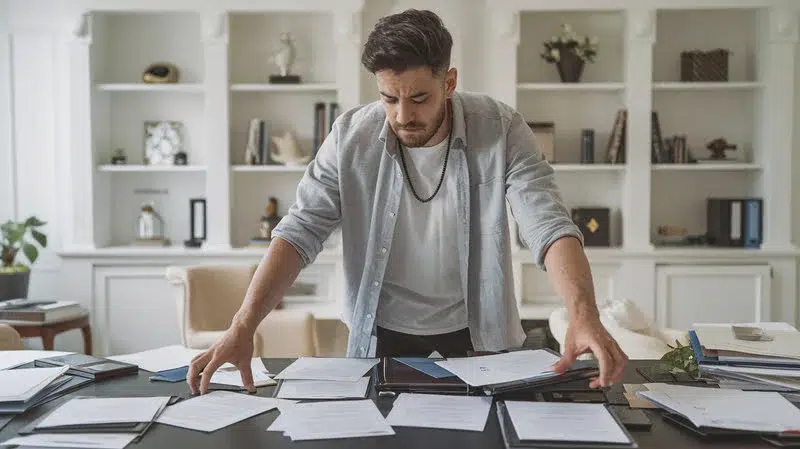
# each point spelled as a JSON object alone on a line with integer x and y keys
{"x": 163, "y": 139}
{"x": 197, "y": 222}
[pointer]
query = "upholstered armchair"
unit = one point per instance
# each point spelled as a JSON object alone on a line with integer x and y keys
{"x": 10, "y": 339}
{"x": 635, "y": 333}
{"x": 207, "y": 298}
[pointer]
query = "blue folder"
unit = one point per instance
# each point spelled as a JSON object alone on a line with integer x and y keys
{"x": 172, "y": 375}
{"x": 425, "y": 365}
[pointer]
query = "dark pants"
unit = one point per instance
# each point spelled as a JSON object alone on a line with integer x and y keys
{"x": 397, "y": 344}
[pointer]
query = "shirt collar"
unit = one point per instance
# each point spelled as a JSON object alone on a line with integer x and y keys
{"x": 459, "y": 128}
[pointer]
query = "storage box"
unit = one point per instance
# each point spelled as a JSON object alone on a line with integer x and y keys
{"x": 697, "y": 65}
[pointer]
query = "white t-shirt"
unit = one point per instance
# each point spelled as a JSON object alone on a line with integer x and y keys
{"x": 421, "y": 291}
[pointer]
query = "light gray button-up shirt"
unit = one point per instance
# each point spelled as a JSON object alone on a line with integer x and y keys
{"x": 356, "y": 180}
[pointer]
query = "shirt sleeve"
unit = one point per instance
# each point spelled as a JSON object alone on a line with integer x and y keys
{"x": 316, "y": 211}
{"x": 532, "y": 193}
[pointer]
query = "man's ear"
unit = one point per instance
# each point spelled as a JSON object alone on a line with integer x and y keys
{"x": 451, "y": 81}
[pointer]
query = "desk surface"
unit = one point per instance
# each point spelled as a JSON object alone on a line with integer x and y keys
{"x": 252, "y": 432}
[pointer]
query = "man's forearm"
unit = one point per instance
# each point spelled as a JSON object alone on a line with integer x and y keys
{"x": 277, "y": 271}
{"x": 571, "y": 276}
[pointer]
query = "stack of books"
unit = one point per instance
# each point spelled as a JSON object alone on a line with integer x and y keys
{"x": 26, "y": 311}
{"x": 759, "y": 356}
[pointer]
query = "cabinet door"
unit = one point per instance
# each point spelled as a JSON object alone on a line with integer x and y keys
{"x": 134, "y": 309}
{"x": 689, "y": 294}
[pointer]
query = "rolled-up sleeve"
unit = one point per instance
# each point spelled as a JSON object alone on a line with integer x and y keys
{"x": 532, "y": 193}
{"x": 316, "y": 211}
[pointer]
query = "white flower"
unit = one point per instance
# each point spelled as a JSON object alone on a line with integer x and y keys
{"x": 556, "y": 54}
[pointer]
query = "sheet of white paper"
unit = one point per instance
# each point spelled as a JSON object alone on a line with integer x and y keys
{"x": 323, "y": 389}
{"x": 24, "y": 383}
{"x": 215, "y": 410}
{"x": 11, "y": 359}
{"x": 766, "y": 325}
{"x": 227, "y": 377}
{"x": 159, "y": 359}
{"x": 337, "y": 419}
{"x": 83, "y": 411}
{"x": 278, "y": 424}
{"x": 440, "y": 411}
{"x": 758, "y": 411}
{"x": 327, "y": 368}
{"x": 564, "y": 421}
{"x": 80, "y": 440}
{"x": 500, "y": 368}
{"x": 784, "y": 343}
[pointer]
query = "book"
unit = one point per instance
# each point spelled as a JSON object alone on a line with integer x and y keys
{"x": 90, "y": 367}
{"x": 41, "y": 311}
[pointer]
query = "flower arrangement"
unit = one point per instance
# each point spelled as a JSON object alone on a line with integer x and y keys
{"x": 570, "y": 52}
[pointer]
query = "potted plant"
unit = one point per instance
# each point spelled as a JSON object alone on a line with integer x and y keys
{"x": 570, "y": 52}
{"x": 19, "y": 237}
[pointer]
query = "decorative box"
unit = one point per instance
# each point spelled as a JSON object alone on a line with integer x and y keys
{"x": 697, "y": 65}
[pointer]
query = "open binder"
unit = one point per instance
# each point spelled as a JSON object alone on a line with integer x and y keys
{"x": 512, "y": 440}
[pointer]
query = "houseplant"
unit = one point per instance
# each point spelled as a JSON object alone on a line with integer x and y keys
{"x": 19, "y": 237}
{"x": 570, "y": 52}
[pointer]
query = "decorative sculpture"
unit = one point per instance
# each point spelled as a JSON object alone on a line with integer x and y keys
{"x": 284, "y": 58}
{"x": 288, "y": 151}
{"x": 718, "y": 146}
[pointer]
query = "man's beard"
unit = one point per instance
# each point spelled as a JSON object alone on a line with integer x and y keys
{"x": 419, "y": 140}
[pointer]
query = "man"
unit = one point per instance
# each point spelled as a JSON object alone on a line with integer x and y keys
{"x": 418, "y": 182}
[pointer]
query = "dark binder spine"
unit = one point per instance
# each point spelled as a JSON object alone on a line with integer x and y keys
{"x": 319, "y": 125}
{"x": 333, "y": 112}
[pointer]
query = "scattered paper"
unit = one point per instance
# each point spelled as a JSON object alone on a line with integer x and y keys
{"x": 215, "y": 410}
{"x": 755, "y": 411}
{"x": 333, "y": 420}
{"x": 224, "y": 377}
{"x": 89, "y": 411}
{"x": 501, "y": 368}
{"x": 323, "y": 389}
{"x": 440, "y": 411}
{"x": 20, "y": 385}
{"x": 78, "y": 440}
{"x": 565, "y": 421}
{"x": 12, "y": 359}
{"x": 327, "y": 368}
{"x": 784, "y": 343}
{"x": 160, "y": 359}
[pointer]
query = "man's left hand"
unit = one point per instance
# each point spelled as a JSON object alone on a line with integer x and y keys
{"x": 589, "y": 335}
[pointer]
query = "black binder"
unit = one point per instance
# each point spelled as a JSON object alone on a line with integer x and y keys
{"x": 90, "y": 367}
{"x": 511, "y": 439}
{"x": 393, "y": 376}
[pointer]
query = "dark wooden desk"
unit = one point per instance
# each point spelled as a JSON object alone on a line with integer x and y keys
{"x": 48, "y": 331}
{"x": 252, "y": 432}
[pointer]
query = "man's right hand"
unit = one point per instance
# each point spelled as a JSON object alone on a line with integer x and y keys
{"x": 236, "y": 347}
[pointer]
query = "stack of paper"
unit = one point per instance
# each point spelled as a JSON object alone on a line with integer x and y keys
{"x": 230, "y": 375}
{"x": 440, "y": 411}
{"x": 756, "y": 411}
{"x": 325, "y": 378}
{"x": 332, "y": 420}
{"x": 160, "y": 359}
{"x": 22, "y": 385}
{"x": 13, "y": 359}
{"x": 101, "y": 415}
{"x": 217, "y": 409}
{"x": 93, "y": 440}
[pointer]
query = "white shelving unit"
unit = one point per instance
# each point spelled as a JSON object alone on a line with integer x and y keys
{"x": 223, "y": 54}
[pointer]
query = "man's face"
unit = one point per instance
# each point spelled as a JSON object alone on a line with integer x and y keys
{"x": 415, "y": 102}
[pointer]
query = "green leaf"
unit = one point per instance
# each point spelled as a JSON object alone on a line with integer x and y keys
{"x": 34, "y": 222}
{"x": 30, "y": 252}
{"x": 39, "y": 237}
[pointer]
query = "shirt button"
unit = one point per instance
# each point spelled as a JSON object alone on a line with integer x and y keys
{"x": 391, "y": 214}
{"x": 369, "y": 315}
{"x": 383, "y": 250}
{"x": 375, "y": 284}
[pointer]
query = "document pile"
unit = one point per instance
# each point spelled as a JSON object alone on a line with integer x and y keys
{"x": 93, "y": 422}
{"x": 561, "y": 424}
{"x": 761, "y": 412}
{"x": 24, "y": 388}
{"x": 325, "y": 378}
{"x": 757, "y": 356}
{"x": 499, "y": 373}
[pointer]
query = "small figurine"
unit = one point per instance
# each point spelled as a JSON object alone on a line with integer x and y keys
{"x": 119, "y": 158}
{"x": 150, "y": 227}
{"x": 270, "y": 220}
{"x": 288, "y": 150}
{"x": 253, "y": 137}
{"x": 161, "y": 73}
{"x": 284, "y": 58}
{"x": 718, "y": 147}
{"x": 180, "y": 158}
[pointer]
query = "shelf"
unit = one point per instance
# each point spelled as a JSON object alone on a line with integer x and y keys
{"x": 269, "y": 168}
{"x": 189, "y": 88}
{"x": 127, "y": 168}
{"x": 710, "y": 166}
{"x": 572, "y": 87}
{"x": 710, "y": 86}
{"x": 311, "y": 87}
{"x": 564, "y": 167}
